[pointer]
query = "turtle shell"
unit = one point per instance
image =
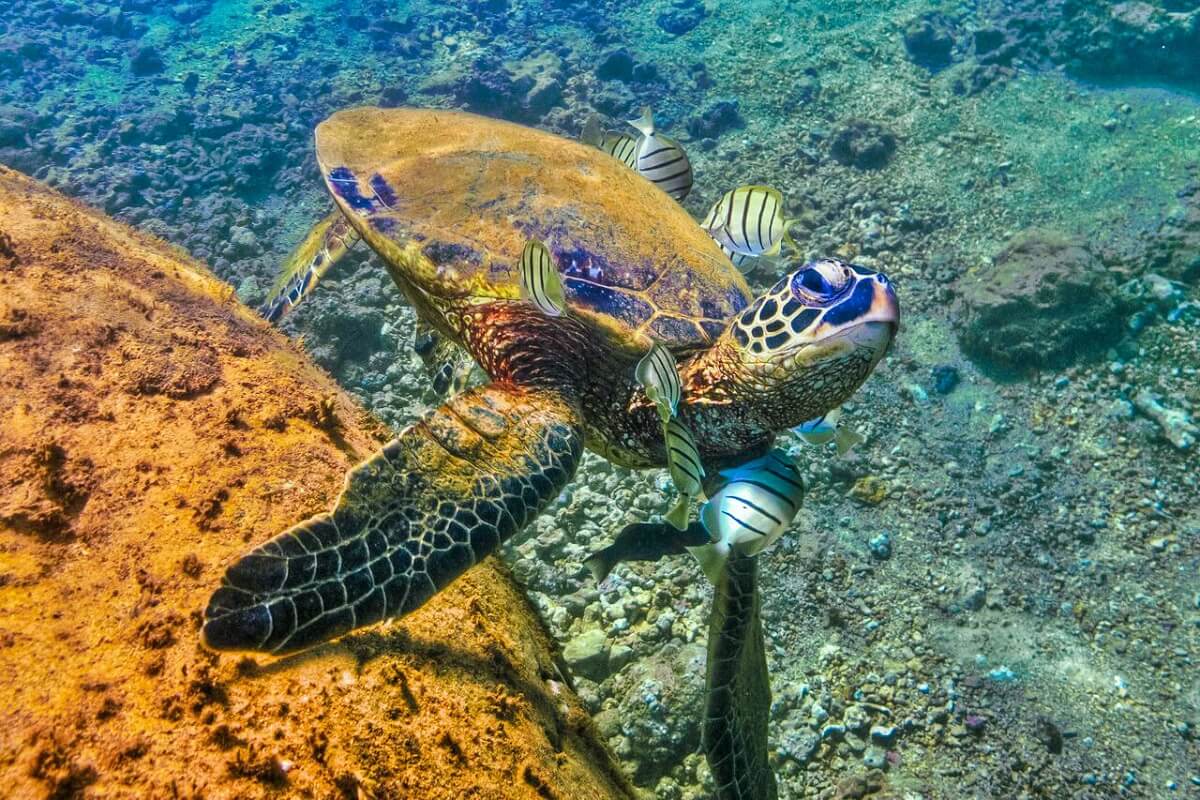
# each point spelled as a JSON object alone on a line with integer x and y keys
{"x": 449, "y": 200}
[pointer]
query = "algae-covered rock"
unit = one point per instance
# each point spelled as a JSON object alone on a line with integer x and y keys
{"x": 929, "y": 40}
{"x": 523, "y": 89}
{"x": 1175, "y": 251}
{"x": 1113, "y": 41}
{"x": 150, "y": 428}
{"x": 1134, "y": 40}
{"x": 660, "y": 702}
{"x": 1046, "y": 301}
{"x": 587, "y": 654}
{"x": 863, "y": 144}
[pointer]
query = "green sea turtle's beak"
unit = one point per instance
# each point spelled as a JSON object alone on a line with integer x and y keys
{"x": 878, "y": 323}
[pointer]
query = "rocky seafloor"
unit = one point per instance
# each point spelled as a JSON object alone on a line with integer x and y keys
{"x": 997, "y": 595}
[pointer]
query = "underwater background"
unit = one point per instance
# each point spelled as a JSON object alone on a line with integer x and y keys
{"x": 997, "y": 594}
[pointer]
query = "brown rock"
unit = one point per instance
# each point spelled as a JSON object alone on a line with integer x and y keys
{"x": 1046, "y": 302}
{"x": 150, "y": 427}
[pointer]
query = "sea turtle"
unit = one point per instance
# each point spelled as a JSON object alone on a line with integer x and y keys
{"x": 456, "y": 206}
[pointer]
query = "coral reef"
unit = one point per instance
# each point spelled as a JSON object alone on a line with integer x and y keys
{"x": 151, "y": 426}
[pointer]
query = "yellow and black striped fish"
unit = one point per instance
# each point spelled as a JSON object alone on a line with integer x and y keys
{"x": 749, "y": 220}
{"x": 756, "y": 505}
{"x": 620, "y": 146}
{"x": 660, "y": 159}
{"x": 540, "y": 281}
{"x": 683, "y": 459}
{"x": 658, "y": 375}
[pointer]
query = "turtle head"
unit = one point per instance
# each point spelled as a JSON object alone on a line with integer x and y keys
{"x": 805, "y": 346}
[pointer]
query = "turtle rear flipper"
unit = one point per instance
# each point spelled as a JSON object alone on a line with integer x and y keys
{"x": 437, "y": 499}
{"x": 737, "y": 689}
{"x": 325, "y": 245}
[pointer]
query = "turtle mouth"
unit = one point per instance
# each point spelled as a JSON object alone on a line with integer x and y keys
{"x": 870, "y": 319}
{"x": 874, "y": 335}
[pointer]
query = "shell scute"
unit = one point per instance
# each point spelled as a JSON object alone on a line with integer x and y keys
{"x": 449, "y": 200}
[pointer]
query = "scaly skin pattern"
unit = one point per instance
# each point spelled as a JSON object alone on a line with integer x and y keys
{"x": 733, "y": 405}
{"x": 437, "y": 499}
{"x": 737, "y": 687}
{"x": 325, "y": 245}
{"x": 740, "y": 406}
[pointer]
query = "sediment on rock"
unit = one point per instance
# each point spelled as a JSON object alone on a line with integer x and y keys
{"x": 150, "y": 427}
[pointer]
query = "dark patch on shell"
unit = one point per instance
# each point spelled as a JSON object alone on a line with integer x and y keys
{"x": 621, "y": 305}
{"x": 452, "y": 253}
{"x": 345, "y": 186}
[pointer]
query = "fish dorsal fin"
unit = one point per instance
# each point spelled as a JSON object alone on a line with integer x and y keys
{"x": 644, "y": 123}
{"x": 659, "y": 376}
{"x": 540, "y": 281}
{"x": 592, "y": 133}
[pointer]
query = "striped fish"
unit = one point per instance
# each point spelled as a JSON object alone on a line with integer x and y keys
{"x": 756, "y": 505}
{"x": 828, "y": 428}
{"x": 749, "y": 220}
{"x": 620, "y": 146}
{"x": 686, "y": 469}
{"x": 683, "y": 459}
{"x": 540, "y": 281}
{"x": 658, "y": 375}
{"x": 660, "y": 159}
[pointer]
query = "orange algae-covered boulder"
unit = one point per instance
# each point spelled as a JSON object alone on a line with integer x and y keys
{"x": 150, "y": 428}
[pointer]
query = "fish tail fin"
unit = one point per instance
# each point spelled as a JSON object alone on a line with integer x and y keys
{"x": 644, "y": 123}
{"x": 846, "y": 439}
{"x": 324, "y": 246}
{"x": 712, "y": 560}
{"x": 677, "y": 517}
{"x": 600, "y": 564}
{"x": 592, "y": 133}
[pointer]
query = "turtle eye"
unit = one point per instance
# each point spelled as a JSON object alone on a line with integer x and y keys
{"x": 814, "y": 282}
{"x": 819, "y": 282}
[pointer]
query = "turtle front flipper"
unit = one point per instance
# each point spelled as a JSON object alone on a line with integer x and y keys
{"x": 325, "y": 245}
{"x": 737, "y": 689}
{"x": 441, "y": 496}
